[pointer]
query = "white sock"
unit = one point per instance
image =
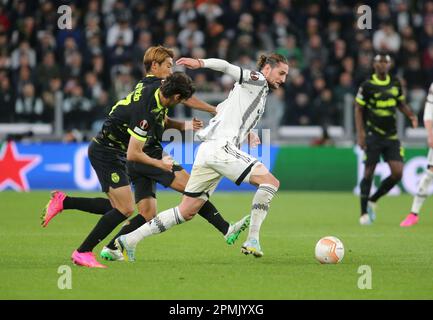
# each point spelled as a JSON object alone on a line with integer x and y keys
{"x": 421, "y": 194}
{"x": 162, "y": 222}
{"x": 261, "y": 201}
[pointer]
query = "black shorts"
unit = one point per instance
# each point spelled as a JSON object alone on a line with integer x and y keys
{"x": 389, "y": 149}
{"x": 109, "y": 165}
{"x": 144, "y": 178}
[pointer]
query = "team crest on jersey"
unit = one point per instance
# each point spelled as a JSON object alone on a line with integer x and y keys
{"x": 115, "y": 177}
{"x": 254, "y": 76}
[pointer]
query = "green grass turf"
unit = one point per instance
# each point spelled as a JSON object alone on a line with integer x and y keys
{"x": 192, "y": 261}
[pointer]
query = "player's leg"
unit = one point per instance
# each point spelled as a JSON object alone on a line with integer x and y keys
{"x": 239, "y": 167}
{"x": 60, "y": 201}
{"x": 371, "y": 158}
{"x": 209, "y": 212}
{"x": 114, "y": 180}
{"x": 393, "y": 155}
{"x": 367, "y": 213}
{"x": 421, "y": 193}
{"x": 201, "y": 184}
{"x": 267, "y": 187}
{"x": 145, "y": 197}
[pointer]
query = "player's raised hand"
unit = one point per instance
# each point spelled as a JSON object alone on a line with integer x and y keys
{"x": 197, "y": 124}
{"x": 190, "y": 63}
{"x": 414, "y": 121}
{"x": 253, "y": 139}
{"x": 167, "y": 164}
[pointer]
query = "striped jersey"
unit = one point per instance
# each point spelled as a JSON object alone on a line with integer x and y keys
{"x": 242, "y": 109}
{"x": 428, "y": 110}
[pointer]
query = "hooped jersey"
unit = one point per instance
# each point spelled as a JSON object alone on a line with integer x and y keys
{"x": 380, "y": 99}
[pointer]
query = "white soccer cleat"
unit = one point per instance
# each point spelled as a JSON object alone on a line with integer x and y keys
{"x": 371, "y": 210}
{"x": 111, "y": 255}
{"x": 365, "y": 220}
{"x": 236, "y": 229}
{"x": 252, "y": 246}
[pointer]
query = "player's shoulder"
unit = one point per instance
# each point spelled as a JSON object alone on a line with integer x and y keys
{"x": 253, "y": 77}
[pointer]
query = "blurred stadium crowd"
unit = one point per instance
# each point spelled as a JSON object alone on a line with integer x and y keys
{"x": 86, "y": 69}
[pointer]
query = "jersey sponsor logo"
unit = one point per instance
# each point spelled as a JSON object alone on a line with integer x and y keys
{"x": 115, "y": 177}
{"x": 254, "y": 76}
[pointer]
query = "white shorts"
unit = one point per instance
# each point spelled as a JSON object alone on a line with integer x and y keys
{"x": 430, "y": 157}
{"x": 215, "y": 160}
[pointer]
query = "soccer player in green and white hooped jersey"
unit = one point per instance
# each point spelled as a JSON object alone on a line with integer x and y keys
{"x": 427, "y": 177}
{"x": 375, "y": 117}
{"x": 158, "y": 65}
{"x": 219, "y": 155}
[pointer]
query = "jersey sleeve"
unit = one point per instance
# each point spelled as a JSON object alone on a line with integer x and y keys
{"x": 252, "y": 77}
{"x": 361, "y": 96}
{"x": 139, "y": 123}
{"x": 239, "y": 74}
{"x": 400, "y": 96}
{"x": 428, "y": 110}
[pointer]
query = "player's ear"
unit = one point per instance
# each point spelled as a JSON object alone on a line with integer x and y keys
{"x": 154, "y": 65}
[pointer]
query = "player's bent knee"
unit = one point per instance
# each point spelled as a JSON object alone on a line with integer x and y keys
{"x": 126, "y": 211}
{"x": 146, "y": 214}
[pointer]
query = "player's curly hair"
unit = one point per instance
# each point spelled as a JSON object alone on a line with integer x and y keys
{"x": 273, "y": 59}
{"x": 156, "y": 54}
{"x": 178, "y": 83}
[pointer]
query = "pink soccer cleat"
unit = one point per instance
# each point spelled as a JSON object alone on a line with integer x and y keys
{"x": 86, "y": 259}
{"x": 410, "y": 220}
{"x": 54, "y": 207}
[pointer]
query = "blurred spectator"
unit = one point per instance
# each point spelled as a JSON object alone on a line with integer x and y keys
{"x": 120, "y": 30}
{"x": 47, "y": 70}
{"x": 386, "y": 39}
{"x": 28, "y": 107}
{"x": 77, "y": 109}
{"x": 52, "y": 97}
{"x": 23, "y": 51}
{"x": 7, "y": 100}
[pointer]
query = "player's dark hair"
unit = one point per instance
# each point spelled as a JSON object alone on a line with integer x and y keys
{"x": 273, "y": 59}
{"x": 178, "y": 83}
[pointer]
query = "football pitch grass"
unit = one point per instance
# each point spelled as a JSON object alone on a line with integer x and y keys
{"x": 192, "y": 261}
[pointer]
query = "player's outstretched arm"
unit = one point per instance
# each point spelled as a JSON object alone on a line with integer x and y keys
{"x": 196, "y": 103}
{"x": 195, "y": 124}
{"x": 212, "y": 63}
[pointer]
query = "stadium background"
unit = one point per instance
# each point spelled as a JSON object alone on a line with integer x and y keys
{"x": 56, "y": 85}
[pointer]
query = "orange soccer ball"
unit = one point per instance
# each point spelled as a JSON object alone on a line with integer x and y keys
{"x": 329, "y": 250}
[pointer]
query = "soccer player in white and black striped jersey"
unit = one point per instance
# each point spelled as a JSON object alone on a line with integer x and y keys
{"x": 427, "y": 177}
{"x": 219, "y": 155}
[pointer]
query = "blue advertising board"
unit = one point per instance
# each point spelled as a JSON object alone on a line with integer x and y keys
{"x": 65, "y": 166}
